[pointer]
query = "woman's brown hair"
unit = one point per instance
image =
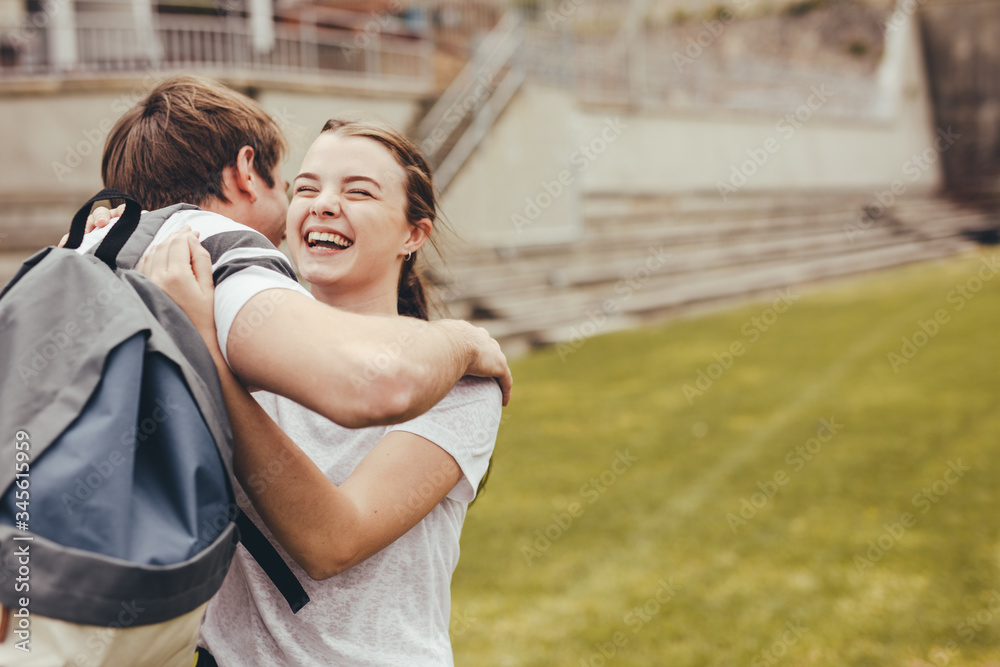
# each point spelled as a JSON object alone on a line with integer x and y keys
{"x": 421, "y": 201}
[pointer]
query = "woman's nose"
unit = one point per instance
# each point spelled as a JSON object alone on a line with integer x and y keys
{"x": 326, "y": 205}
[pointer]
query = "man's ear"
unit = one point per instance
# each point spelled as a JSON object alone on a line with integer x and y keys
{"x": 244, "y": 174}
{"x": 420, "y": 232}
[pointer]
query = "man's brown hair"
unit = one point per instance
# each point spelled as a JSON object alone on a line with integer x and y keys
{"x": 173, "y": 146}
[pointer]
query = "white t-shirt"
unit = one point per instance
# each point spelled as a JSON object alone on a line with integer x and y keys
{"x": 244, "y": 262}
{"x": 389, "y": 610}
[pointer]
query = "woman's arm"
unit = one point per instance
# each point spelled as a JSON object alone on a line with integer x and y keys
{"x": 325, "y": 528}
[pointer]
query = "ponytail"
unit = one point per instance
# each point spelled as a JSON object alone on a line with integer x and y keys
{"x": 412, "y": 300}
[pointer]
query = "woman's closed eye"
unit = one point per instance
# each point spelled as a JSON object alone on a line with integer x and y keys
{"x": 304, "y": 188}
{"x": 363, "y": 193}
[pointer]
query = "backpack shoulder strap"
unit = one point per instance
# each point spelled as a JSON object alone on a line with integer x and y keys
{"x": 271, "y": 562}
{"x": 140, "y": 239}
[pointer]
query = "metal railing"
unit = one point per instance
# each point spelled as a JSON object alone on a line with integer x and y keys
{"x": 463, "y": 115}
{"x": 107, "y": 45}
{"x": 607, "y": 57}
{"x": 645, "y": 74}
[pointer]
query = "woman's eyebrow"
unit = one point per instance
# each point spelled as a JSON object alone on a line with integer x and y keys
{"x": 308, "y": 175}
{"x": 354, "y": 179}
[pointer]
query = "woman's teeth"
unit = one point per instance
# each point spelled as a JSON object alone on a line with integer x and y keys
{"x": 327, "y": 239}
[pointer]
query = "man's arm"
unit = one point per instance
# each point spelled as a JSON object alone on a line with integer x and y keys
{"x": 356, "y": 370}
{"x": 325, "y": 528}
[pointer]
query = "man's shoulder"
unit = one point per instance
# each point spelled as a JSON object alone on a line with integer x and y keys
{"x": 220, "y": 236}
{"x": 207, "y": 222}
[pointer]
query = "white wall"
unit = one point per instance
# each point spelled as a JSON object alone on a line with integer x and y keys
{"x": 509, "y": 191}
{"x": 667, "y": 152}
{"x": 544, "y": 133}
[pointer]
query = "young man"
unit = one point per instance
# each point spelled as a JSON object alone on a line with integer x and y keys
{"x": 195, "y": 142}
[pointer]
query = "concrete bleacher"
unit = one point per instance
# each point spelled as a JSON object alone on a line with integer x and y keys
{"x": 640, "y": 259}
{"x": 29, "y": 221}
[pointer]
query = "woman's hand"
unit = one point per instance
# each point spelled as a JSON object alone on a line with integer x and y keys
{"x": 182, "y": 268}
{"x": 99, "y": 217}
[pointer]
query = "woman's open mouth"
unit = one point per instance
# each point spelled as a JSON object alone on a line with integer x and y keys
{"x": 330, "y": 240}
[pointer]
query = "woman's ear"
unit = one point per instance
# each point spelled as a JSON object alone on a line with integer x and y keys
{"x": 420, "y": 231}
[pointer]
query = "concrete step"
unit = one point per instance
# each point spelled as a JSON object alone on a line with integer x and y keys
{"x": 586, "y": 266}
{"x": 717, "y": 254}
{"x": 606, "y": 236}
{"x": 542, "y": 300}
{"x": 567, "y": 318}
{"x": 597, "y": 205}
{"x": 33, "y": 220}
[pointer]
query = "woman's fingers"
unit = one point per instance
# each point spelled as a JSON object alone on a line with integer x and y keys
{"x": 183, "y": 270}
{"x": 201, "y": 263}
{"x": 170, "y": 259}
{"x": 100, "y": 217}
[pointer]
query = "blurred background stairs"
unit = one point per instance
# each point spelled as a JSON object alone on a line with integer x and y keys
{"x": 644, "y": 258}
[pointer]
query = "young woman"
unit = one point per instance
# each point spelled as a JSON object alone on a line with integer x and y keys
{"x": 369, "y": 519}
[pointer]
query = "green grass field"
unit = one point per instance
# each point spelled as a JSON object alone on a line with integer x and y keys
{"x": 819, "y": 502}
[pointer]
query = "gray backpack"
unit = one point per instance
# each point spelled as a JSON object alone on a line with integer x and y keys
{"x": 116, "y": 454}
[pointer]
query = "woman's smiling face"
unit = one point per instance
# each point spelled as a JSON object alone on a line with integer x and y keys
{"x": 347, "y": 228}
